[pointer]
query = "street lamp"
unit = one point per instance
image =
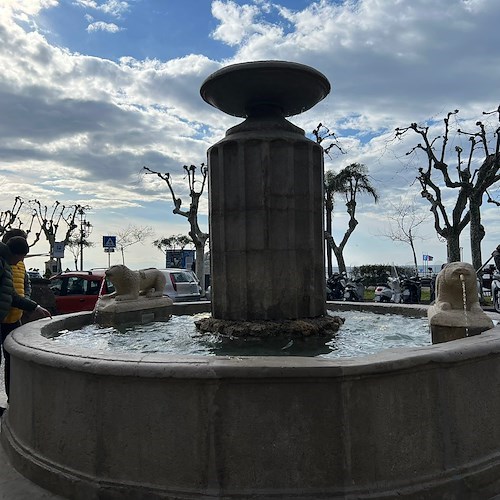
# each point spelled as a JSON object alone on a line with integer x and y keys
{"x": 85, "y": 230}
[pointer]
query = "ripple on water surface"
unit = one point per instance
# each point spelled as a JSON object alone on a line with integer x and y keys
{"x": 362, "y": 333}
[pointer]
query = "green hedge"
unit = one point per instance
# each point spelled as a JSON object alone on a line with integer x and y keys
{"x": 378, "y": 273}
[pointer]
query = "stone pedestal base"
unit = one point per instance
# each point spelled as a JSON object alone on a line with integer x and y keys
{"x": 324, "y": 326}
{"x": 449, "y": 325}
{"x": 112, "y": 312}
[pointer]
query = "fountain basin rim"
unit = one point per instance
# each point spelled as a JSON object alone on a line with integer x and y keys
{"x": 28, "y": 342}
{"x": 290, "y": 87}
{"x": 181, "y": 402}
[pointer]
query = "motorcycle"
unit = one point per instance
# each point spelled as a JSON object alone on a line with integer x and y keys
{"x": 411, "y": 290}
{"x": 335, "y": 286}
{"x": 495, "y": 291}
{"x": 390, "y": 292}
{"x": 354, "y": 290}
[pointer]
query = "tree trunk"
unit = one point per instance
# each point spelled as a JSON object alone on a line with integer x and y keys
{"x": 329, "y": 260}
{"x": 453, "y": 247}
{"x": 476, "y": 232}
{"x": 200, "y": 265}
{"x": 200, "y": 241}
{"x": 415, "y": 263}
{"x": 340, "y": 259}
{"x": 328, "y": 228}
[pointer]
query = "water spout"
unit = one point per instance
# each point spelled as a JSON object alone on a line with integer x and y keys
{"x": 464, "y": 298}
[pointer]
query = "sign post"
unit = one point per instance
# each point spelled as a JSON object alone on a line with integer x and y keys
{"x": 58, "y": 252}
{"x": 109, "y": 245}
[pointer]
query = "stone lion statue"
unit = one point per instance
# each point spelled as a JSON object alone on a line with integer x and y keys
{"x": 450, "y": 291}
{"x": 129, "y": 285}
{"x": 457, "y": 313}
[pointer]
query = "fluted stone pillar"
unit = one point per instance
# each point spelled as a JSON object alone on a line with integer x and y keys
{"x": 266, "y": 223}
{"x": 266, "y": 195}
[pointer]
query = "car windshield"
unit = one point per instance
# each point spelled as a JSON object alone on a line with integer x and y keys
{"x": 182, "y": 277}
{"x": 110, "y": 287}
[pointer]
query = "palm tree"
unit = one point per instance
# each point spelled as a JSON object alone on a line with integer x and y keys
{"x": 350, "y": 181}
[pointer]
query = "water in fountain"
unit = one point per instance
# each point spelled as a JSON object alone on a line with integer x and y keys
{"x": 363, "y": 333}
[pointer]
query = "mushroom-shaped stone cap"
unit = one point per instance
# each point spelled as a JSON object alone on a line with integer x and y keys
{"x": 245, "y": 89}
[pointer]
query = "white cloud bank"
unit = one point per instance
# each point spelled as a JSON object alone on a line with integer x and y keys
{"x": 79, "y": 127}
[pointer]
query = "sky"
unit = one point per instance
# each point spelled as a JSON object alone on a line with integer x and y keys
{"x": 93, "y": 90}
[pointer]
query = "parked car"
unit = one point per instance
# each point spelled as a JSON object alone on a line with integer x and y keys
{"x": 182, "y": 285}
{"x": 79, "y": 290}
{"x": 34, "y": 274}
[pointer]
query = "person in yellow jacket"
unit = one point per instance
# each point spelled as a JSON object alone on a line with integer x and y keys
{"x": 12, "y": 320}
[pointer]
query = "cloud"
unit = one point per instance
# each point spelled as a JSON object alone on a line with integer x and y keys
{"x": 113, "y": 8}
{"x": 102, "y": 26}
{"x": 80, "y": 127}
{"x": 25, "y": 8}
{"x": 238, "y": 23}
{"x": 389, "y": 50}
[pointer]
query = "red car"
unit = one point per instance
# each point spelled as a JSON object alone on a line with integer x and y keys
{"x": 79, "y": 290}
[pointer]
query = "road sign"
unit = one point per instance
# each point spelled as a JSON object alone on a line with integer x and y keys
{"x": 180, "y": 258}
{"x": 109, "y": 241}
{"x": 58, "y": 252}
{"x": 108, "y": 249}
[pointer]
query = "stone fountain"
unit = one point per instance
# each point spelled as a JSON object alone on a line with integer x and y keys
{"x": 266, "y": 204}
{"x": 414, "y": 423}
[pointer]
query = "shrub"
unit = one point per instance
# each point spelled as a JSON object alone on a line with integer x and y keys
{"x": 374, "y": 274}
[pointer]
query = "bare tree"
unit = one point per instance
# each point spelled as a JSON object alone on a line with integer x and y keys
{"x": 404, "y": 223}
{"x": 198, "y": 237}
{"x": 470, "y": 178}
{"x": 321, "y": 134}
{"x": 329, "y": 205}
{"x": 348, "y": 184}
{"x": 8, "y": 218}
{"x": 14, "y": 217}
{"x": 132, "y": 235}
{"x": 50, "y": 220}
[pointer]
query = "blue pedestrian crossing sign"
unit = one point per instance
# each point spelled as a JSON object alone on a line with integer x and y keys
{"x": 109, "y": 241}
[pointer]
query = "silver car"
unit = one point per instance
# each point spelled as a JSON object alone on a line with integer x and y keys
{"x": 182, "y": 285}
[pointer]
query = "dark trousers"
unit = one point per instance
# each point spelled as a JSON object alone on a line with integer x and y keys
{"x": 5, "y": 329}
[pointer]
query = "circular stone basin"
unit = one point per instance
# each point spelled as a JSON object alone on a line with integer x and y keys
{"x": 419, "y": 423}
{"x": 240, "y": 89}
{"x": 362, "y": 333}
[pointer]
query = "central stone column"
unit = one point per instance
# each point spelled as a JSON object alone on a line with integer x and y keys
{"x": 266, "y": 195}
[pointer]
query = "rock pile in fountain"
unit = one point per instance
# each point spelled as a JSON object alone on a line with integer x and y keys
{"x": 325, "y": 326}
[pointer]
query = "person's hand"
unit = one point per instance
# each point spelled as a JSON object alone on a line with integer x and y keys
{"x": 41, "y": 312}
